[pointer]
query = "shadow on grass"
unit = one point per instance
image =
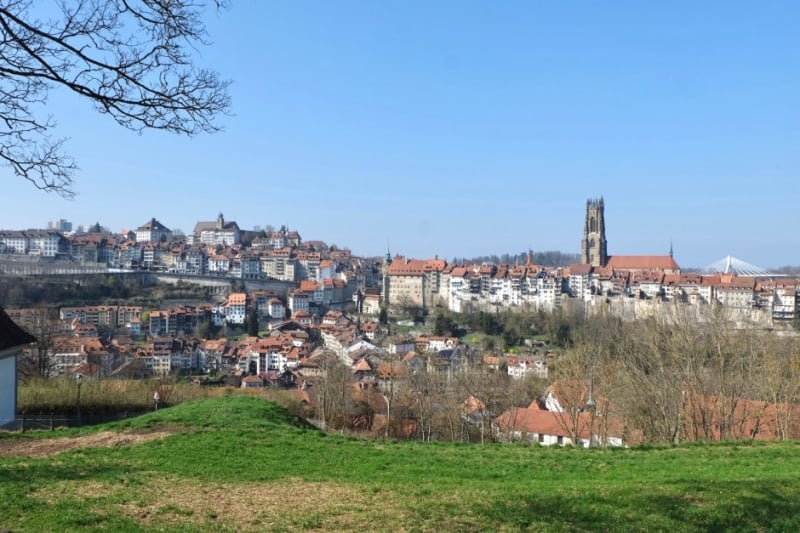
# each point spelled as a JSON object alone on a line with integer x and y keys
{"x": 23, "y": 507}
{"x": 711, "y": 507}
{"x": 40, "y": 472}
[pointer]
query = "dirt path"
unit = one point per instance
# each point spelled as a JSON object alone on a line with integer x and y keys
{"x": 48, "y": 447}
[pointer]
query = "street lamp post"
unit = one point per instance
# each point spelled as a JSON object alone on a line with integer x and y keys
{"x": 78, "y": 380}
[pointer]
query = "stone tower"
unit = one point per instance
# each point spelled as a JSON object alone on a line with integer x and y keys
{"x": 593, "y": 245}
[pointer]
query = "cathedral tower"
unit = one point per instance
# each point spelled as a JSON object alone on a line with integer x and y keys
{"x": 593, "y": 245}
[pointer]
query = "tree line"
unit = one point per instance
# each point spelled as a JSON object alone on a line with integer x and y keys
{"x": 549, "y": 258}
{"x": 661, "y": 383}
{"x": 19, "y": 292}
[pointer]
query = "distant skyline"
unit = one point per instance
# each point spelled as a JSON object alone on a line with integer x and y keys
{"x": 469, "y": 129}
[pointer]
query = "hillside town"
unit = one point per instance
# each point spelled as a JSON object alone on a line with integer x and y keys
{"x": 316, "y": 277}
{"x": 281, "y": 310}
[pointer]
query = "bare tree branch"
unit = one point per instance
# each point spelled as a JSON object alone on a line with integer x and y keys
{"x": 134, "y": 59}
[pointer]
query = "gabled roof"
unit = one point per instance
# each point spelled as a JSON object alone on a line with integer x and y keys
{"x": 362, "y": 366}
{"x": 541, "y": 422}
{"x": 153, "y": 225}
{"x": 12, "y": 336}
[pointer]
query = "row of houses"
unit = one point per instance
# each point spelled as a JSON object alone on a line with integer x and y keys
{"x": 570, "y": 413}
{"x": 339, "y": 333}
{"x": 425, "y": 284}
{"x": 332, "y": 279}
{"x": 122, "y": 356}
{"x": 215, "y": 248}
{"x": 44, "y": 243}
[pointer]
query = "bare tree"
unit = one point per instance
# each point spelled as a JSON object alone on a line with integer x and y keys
{"x": 331, "y": 392}
{"x": 425, "y": 388}
{"x": 38, "y": 359}
{"x": 133, "y": 59}
{"x": 485, "y": 393}
{"x": 780, "y": 385}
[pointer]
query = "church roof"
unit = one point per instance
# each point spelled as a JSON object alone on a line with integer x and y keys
{"x": 642, "y": 262}
{"x": 211, "y": 225}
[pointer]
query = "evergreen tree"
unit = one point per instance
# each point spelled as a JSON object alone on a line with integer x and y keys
{"x": 252, "y": 323}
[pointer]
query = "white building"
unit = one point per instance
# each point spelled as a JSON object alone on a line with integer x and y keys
{"x": 218, "y": 232}
{"x": 45, "y": 243}
{"x": 518, "y": 368}
{"x": 236, "y": 308}
{"x": 153, "y": 231}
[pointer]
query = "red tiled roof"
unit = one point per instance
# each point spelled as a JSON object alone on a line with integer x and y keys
{"x": 237, "y": 298}
{"x": 437, "y": 265}
{"x": 362, "y": 366}
{"x": 406, "y": 267}
{"x": 556, "y": 424}
{"x": 748, "y": 419}
{"x": 642, "y": 262}
{"x": 580, "y": 269}
{"x": 308, "y": 286}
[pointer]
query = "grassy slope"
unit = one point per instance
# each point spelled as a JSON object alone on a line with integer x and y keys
{"x": 242, "y": 463}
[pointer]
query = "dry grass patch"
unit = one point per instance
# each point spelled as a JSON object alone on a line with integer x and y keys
{"x": 50, "y": 447}
{"x": 287, "y": 505}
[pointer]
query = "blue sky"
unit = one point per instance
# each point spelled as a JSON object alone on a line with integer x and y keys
{"x": 472, "y": 128}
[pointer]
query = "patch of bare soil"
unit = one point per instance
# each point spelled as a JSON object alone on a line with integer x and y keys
{"x": 49, "y": 447}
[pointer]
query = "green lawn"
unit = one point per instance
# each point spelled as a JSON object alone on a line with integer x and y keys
{"x": 244, "y": 464}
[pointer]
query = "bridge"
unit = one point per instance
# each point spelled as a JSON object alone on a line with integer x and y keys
{"x": 732, "y": 265}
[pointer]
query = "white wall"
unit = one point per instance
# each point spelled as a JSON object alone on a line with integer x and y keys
{"x": 8, "y": 390}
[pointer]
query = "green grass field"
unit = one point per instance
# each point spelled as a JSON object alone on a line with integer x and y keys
{"x": 244, "y": 464}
